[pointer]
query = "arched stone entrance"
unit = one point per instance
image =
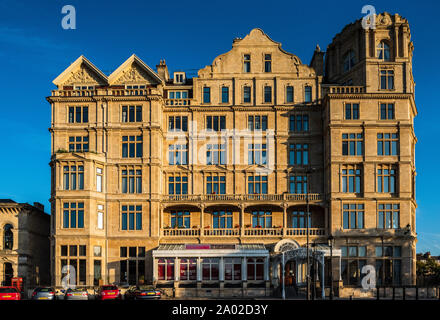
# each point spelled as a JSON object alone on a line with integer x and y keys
{"x": 287, "y": 255}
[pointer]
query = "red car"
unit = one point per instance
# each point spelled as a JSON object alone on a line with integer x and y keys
{"x": 108, "y": 292}
{"x": 9, "y": 293}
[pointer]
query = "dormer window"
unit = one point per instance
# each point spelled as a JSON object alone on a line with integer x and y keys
{"x": 349, "y": 60}
{"x": 179, "y": 77}
{"x": 267, "y": 63}
{"x": 247, "y": 63}
{"x": 84, "y": 88}
{"x": 383, "y": 51}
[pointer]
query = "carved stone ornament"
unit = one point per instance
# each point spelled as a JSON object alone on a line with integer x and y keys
{"x": 132, "y": 75}
{"x": 82, "y": 75}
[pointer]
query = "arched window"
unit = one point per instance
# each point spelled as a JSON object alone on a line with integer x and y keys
{"x": 383, "y": 51}
{"x": 8, "y": 242}
{"x": 349, "y": 60}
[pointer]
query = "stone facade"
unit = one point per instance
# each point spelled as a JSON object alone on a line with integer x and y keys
{"x": 222, "y": 158}
{"x": 25, "y": 245}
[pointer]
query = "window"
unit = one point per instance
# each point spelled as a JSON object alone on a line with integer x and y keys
{"x": 210, "y": 269}
{"x": 188, "y": 269}
{"x": 351, "y": 179}
{"x": 165, "y": 269}
{"x": 100, "y": 222}
{"x": 225, "y": 94}
{"x": 132, "y": 146}
{"x": 178, "y": 154}
{"x": 177, "y": 184}
{"x": 386, "y": 178}
{"x": 216, "y": 123}
{"x": 178, "y": 98}
{"x": 180, "y": 219}
{"x": 388, "y": 216}
{"x": 299, "y": 123}
{"x": 289, "y": 94}
{"x": 215, "y": 154}
{"x": 132, "y": 270}
{"x": 178, "y": 123}
{"x": 99, "y": 179}
{"x": 383, "y": 51}
{"x": 352, "y": 144}
{"x": 247, "y": 63}
{"x": 216, "y": 184}
{"x": 257, "y": 184}
{"x": 386, "y": 79}
{"x": 131, "y": 180}
{"x": 73, "y": 177}
{"x": 387, "y": 144}
{"x": 222, "y": 219}
{"x": 73, "y": 215}
{"x": 353, "y": 216}
{"x": 78, "y": 114}
{"x": 298, "y": 154}
{"x": 257, "y": 123}
{"x": 72, "y": 254}
{"x": 8, "y": 237}
{"x": 79, "y": 144}
{"x": 352, "y": 261}
{"x": 267, "y": 94}
{"x": 97, "y": 251}
{"x": 349, "y": 60}
{"x": 308, "y": 94}
{"x": 297, "y": 184}
{"x": 131, "y": 217}
{"x": 131, "y": 113}
{"x": 267, "y": 63}
{"x": 232, "y": 269}
{"x": 246, "y": 94}
{"x": 351, "y": 111}
{"x": 255, "y": 268}
{"x": 388, "y": 265}
{"x": 257, "y": 153}
{"x": 298, "y": 219}
{"x": 261, "y": 219}
{"x": 206, "y": 95}
{"x": 386, "y": 111}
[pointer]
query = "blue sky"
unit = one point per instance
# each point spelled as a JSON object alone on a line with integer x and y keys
{"x": 34, "y": 49}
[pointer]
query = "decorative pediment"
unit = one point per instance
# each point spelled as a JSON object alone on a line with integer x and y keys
{"x": 134, "y": 71}
{"x": 81, "y": 71}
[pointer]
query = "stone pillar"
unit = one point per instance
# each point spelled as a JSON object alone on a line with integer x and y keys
{"x": 241, "y": 220}
{"x": 222, "y": 269}
{"x": 284, "y": 219}
{"x": 154, "y": 271}
{"x": 202, "y": 219}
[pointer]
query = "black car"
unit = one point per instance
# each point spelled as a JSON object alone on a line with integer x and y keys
{"x": 142, "y": 292}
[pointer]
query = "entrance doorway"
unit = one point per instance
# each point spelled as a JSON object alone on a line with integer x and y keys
{"x": 290, "y": 279}
{"x": 8, "y": 273}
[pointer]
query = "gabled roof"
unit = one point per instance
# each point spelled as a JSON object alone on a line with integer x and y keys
{"x": 130, "y": 61}
{"x": 75, "y": 65}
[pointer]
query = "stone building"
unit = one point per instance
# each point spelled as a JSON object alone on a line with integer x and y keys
{"x": 25, "y": 245}
{"x": 203, "y": 184}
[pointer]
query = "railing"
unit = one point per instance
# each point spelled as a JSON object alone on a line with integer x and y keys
{"x": 241, "y": 197}
{"x": 247, "y": 232}
{"x": 181, "y": 232}
{"x": 177, "y": 102}
{"x": 346, "y": 89}
{"x": 263, "y": 232}
{"x": 73, "y": 93}
{"x": 221, "y": 232}
{"x": 303, "y": 231}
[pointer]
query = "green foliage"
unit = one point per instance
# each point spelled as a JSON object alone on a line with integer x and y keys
{"x": 428, "y": 272}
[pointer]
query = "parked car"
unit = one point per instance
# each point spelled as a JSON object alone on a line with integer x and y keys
{"x": 142, "y": 292}
{"x": 9, "y": 293}
{"x": 76, "y": 294}
{"x": 43, "y": 293}
{"x": 108, "y": 292}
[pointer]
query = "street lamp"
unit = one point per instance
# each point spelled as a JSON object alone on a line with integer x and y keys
{"x": 330, "y": 243}
{"x": 308, "y": 172}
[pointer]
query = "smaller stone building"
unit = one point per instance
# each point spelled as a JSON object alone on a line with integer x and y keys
{"x": 25, "y": 245}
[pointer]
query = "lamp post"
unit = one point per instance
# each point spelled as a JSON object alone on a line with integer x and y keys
{"x": 308, "y": 172}
{"x": 330, "y": 243}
